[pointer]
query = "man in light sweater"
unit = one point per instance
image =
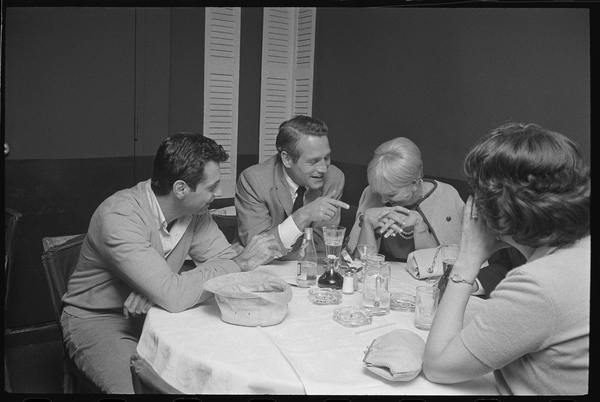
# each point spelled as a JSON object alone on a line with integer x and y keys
{"x": 133, "y": 254}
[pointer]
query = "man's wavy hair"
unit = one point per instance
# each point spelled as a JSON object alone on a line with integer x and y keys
{"x": 531, "y": 184}
{"x": 291, "y": 130}
{"x": 183, "y": 156}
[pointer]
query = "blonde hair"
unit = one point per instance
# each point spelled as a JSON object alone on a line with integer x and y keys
{"x": 396, "y": 163}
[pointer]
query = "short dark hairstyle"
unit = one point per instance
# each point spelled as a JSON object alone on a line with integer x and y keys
{"x": 531, "y": 184}
{"x": 291, "y": 130}
{"x": 183, "y": 156}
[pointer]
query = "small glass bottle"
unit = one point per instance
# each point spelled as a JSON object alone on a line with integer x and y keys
{"x": 331, "y": 278}
{"x": 306, "y": 274}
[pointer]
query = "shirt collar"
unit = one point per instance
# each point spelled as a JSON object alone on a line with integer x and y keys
{"x": 542, "y": 252}
{"x": 293, "y": 187}
{"x": 157, "y": 214}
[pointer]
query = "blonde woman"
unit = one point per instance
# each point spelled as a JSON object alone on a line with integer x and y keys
{"x": 400, "y": 211}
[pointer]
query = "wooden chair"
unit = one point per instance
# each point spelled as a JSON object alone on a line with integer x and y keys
{"x": 146, "y": 380}
{"x": 59, "y": 262}
{"x": 11, "y": 221}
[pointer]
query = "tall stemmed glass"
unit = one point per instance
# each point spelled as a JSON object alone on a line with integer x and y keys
{"x": 334, "y": 238}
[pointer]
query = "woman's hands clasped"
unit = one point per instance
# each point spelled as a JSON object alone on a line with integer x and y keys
{"x": 391, "y": 220}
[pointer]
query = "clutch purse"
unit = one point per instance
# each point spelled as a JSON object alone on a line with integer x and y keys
{"x": 425, "y": 263}
{"x": 396, "y": 356}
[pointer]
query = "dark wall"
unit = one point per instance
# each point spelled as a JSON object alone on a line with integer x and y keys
{"x": 444, "y": 77}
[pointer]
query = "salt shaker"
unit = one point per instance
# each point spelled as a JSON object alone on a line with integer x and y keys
{"x": 348, "y": 285}
{"x": 355, "y": 275}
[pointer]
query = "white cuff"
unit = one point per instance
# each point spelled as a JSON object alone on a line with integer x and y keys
{"x": 480, "y": 290}
{"x": 289, "y": 232}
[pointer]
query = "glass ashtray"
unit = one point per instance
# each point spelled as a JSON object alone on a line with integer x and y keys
{"x": 402, "y": 302}
{"x": 324, "y": 296}
{"x": 352, "y": 316}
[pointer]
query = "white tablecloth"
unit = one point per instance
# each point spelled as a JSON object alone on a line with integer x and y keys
{"x": 307, "y": 353}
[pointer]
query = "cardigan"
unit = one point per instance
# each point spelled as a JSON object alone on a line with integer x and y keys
{"x": 123, "y": 252}
{"x": 534, "y": 329}
{"x": 441, "y": 210}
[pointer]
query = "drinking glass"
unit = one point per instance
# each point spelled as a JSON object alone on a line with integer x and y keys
{"x": 376, "y": 291}
{"x": 334, "y": 237}
{"x": 449, "y": 253}
{"x": 364, "y": 251}
{"x": 426, "y": 303}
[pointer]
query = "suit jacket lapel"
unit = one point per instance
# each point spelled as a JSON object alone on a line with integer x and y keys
{"x": 311, "y": 195}
{"x": 283, "y": 191}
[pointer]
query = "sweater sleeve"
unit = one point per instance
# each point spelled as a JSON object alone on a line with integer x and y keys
{"x": 515, "y": 321}
{"x": 124, "y": 244}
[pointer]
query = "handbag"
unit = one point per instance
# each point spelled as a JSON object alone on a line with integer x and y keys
{"x": 425, "y": 263}
{"x": 396, "y": 356}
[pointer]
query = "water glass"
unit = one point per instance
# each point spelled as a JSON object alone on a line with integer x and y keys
{"x": 449, "y": 253}
{"x": 334, "y": 237}
{"x": 364, "y": 251}
{"x": 426, "y": 303}
{"x": 376, "y": 290}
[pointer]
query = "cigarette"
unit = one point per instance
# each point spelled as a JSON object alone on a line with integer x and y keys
{"x": 374, "y": 328}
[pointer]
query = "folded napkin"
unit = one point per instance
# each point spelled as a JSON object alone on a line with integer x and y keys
{"x": 396, "y": 356}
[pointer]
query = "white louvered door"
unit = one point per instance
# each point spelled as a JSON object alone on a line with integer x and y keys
{"x": 221, "y": 80}
{"x": 287, "y": 70}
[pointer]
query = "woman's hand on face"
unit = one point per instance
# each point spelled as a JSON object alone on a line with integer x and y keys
{"x": 477, "y": 241}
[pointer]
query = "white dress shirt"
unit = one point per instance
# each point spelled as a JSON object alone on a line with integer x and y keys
{"x": 288, "y": 230}
{"x": 168, "y": 238}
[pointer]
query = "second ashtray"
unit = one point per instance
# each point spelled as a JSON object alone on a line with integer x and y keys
{"x": 324, "y": 296}
{"x": 352, "y": 316}
{"x": 402, "y": 302}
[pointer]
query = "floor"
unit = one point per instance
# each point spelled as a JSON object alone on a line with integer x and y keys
{"x": 34, "y": 360}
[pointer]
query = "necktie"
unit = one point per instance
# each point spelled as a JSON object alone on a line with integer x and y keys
{"x": 299, "y": 198}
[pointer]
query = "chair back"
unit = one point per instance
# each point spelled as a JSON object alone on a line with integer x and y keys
{"x": 11, "y": 220}
{"x": 59, "y": 262}
{"x": 146, "y": 380}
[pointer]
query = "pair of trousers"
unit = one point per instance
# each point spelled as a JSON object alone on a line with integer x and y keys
{"x": 101, "y": 347}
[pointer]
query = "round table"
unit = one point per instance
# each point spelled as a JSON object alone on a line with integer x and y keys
{"x": 307, "y": 353}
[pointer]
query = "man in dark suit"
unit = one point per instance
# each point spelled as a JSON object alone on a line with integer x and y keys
{"x": 295, "y": 189}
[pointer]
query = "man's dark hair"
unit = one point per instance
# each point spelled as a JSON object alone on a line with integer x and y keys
{"x": 291, "y": 130}
{"x": 183, "y": 156}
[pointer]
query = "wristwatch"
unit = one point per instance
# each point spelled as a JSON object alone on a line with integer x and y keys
{"x": 458, "y": 279}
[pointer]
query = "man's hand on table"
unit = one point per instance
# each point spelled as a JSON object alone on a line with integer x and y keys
{"x": 261, "y": 249}
{"x": 136, "y": 304}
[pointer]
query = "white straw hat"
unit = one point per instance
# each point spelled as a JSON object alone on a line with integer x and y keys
{"x": 251, "y": 298}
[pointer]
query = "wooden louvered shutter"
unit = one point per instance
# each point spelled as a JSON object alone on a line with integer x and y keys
{"x": 221, "y": 80}
{"x": 287, "y": 70}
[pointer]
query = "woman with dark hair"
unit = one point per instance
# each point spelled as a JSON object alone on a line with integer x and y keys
{"x": 531, "y": 191}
